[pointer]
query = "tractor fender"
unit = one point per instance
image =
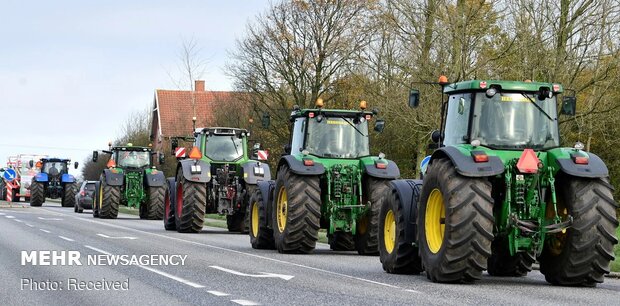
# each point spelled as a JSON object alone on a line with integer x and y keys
{"x": 408, "y": 191}
{"x": 266, "y": 189}
{"x": 67, "y": 178}
{"x": 205, "y": 170}
{"x": 154, "y": 178}
{"x": 594, "y": 169}
{"x": 113, "y": 178}
{"x": 298, "y": 167}
{"x": 255, "y": 171}
{"x": 390, "y": 172}
{"x": 41, "y": 177}
{"x": 466, "y": 166}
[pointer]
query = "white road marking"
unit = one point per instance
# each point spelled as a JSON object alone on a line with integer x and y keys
{"x": 265, "y": 274}
{"x": 29, "y": 224}
{"x": 9, "y": 217}
{"x": 244, "y": 302}
{"x": 17, "y": 220}
{"x": 2, "y": 214}
{"x": 51, "y": 219}
{"x": 218, "y": 293}
{"x": 237, "y": 252}
{"x": 65, "y": 238}
{"x": 45, "y": 231}
{"x": 162, "y": 273}
{"x": 413, "y": 291}
{"x": 126, "y": 237}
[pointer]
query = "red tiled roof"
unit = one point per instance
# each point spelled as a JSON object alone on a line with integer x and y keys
{"x": 175, "y": 109}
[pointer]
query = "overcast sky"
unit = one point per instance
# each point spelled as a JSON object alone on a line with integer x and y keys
{"x": 71, "y": 71}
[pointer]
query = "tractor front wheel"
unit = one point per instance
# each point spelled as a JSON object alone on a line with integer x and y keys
{"x": 396, "y": 254}
{"x": 580, "y": 255}
{"x": 153, "y": 208}
{"x": 169, "y": 219}
{"x": 261, "y": 236}
{"x": 37, "y": 194}
{"x": 68, "y": 195}
{"x": 110, "y": 197}
{"x": 190, "y": 204}
{"x": 297, "y": 212}
{"x": 341, "y": 241}
{"x": 455, "y": 224}
{"x": 367, "y": 233}
{"x": 501, "y": 263}
{"x": 236, "y": 222}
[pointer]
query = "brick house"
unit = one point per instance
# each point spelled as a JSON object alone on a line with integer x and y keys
{"x": 173, "y": 111}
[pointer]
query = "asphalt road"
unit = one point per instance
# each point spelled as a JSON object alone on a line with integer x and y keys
{"x": 221, "y": 268}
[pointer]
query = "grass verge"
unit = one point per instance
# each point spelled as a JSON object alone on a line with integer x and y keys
{"x": 615, "y": 265}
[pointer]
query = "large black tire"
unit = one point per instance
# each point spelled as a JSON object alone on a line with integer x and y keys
{"x": 367, "y": 233}
{"x": 341, "y": 241}
{"x": 111, "y": 198}
{"x": 97, "y": 200}
{"x": 501, "y": 263}
{"x": 261, "y": 236}
{"x": 68, "y": 195}
{"x": 296, "y": 212}
{"x": 457, "y": 249}
{"x": 169, "y": 208}
{"x": 246, "y": 204}
{"x": 236, "y": 222}
{"x": 396, "y": 254}
{"x": 37, "y": 194}
{"x": 154, "y": 205}
{"x": 2, "y": 190}
{"x": 581, "y": 255}
{"x": 15, "y": 197}
{"x": 191, "y": 201}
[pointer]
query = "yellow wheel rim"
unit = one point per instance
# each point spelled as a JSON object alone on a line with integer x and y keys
{"x": 389, "y": 232}
{"x": 255, "y": 219}
{"x": 100, "y": 196}
{"x": 282, "y": 209}
{"x": 434, "y": 221}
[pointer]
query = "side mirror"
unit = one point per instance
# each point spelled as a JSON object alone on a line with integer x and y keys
{"x": 435, "y": 136}
{"x": 31, "y": 163}
{"x": 569, "y": 105}
{"x": 75, "y": 165}
{"x": 95, "y": 156}
{"x": 287, "y": 149}
{"x": 162, "y": 158}
{"x": 379, "y": 125}
{"x": 414, "y": 98}
{"x": 174, "y": 144}
{"x": 265, "y": 120}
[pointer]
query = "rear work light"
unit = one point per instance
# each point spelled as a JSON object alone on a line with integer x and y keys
{"x": 480, "y": 156}
{"x": 381, "y": 165}
{"x": 308, "y": 162}
{"x": 580, "y": 159}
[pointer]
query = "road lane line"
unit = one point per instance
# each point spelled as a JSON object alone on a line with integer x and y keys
{"x": 162, "y": 273}
{"x": 239, "y": 252}
{"x": 218, "y": 293}
{"x": 265, "y": 274}
{"x": 123, "y": 237}
{"x": 244, "y": 302}
{"x": 45, "y": 231}
{"x": 17, "y": 220}
{"x": 65, "y": 238}
{"x": 9, "y": 217}
{"x": 2, "y": 214}
{"x": 29, "y": 224}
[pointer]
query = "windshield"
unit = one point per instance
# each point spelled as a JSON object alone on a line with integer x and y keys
{"x": 133, "y": 159}
{"x": 337, "y": 137}
{"x": 224, "y": 147}
{"x": 512, "y": 121}
{"x": 54, "y": 168}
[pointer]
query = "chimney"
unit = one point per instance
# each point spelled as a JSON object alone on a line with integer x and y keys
{"x": 199, "y": 85}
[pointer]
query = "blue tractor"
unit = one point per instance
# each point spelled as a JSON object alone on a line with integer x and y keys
{"x": 54, "y": 181}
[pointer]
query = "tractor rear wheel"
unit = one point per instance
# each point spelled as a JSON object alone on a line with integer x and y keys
{"x": 580, "y": 255}
{"x": 261, "y": 236}
{"x": 455, "y": 227}
{"x": 501, "y": 263}
{"x": 297, "y": 212}
{"x": 396, "y": 254}
{"x": 169, "y": 220}
{"x": 37, "y": 194}
{"x": 68, "y": 195}
{"x": 190, "y": 204}
{"x": 110, "y": 197}
{"x": 341, "y": 241}
{"x": 236, "y": 222}
{"x": 367, "y": 233}
{"x": 154, "y": 205}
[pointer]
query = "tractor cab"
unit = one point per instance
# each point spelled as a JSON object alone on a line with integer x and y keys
{"x": 132, "y": 157}
{"x": 223, "y": 145}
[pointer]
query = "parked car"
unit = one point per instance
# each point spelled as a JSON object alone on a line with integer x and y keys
{"x": 84, "y": 199}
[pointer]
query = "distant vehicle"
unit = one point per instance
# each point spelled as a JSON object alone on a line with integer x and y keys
{"x": 54, "y": 181}
{"x": 18, "y": 186}
{"x": 84, "y": 199}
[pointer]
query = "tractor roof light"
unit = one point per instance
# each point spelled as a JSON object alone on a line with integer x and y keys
{"x": 311, "y": 115}
{"x": 319, "y": 103}
{"x": 528, "y": 162}
{"x": 111, "y": 163}
{"x": 479, "y": 156}
{"x": 579, "y": 145}
{"x": 443, "y": 79}
{"x": 363, "y": 104}
{"x": 483, "y": 84}
{"x": 491, "y": 92}
{"x": 195, "y": 153}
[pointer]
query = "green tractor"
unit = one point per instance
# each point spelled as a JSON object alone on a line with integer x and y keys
{"x": 218, "y": 177}
{"x": 326, "y": 179}
{"x": 500, "y": 192}
{"x": 132, "y": 180}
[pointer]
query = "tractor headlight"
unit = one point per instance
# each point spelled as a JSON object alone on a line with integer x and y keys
{"x": 259, "y": 171}
{"x": 196, "y": 169}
